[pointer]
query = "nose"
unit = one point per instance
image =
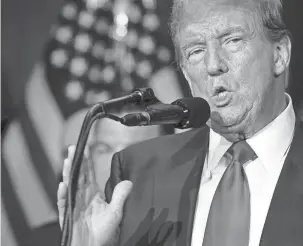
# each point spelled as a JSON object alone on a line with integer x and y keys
{"x": 214, "y": 63}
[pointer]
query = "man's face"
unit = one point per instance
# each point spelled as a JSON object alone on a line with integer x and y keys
{"x": 228, "y": 61}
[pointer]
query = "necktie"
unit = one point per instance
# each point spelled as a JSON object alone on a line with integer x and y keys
{"x": 229, "y": 217}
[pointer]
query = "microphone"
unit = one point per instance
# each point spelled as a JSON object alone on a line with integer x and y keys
{"x": 191, "y": 112}
{"x": 138, "y": 96}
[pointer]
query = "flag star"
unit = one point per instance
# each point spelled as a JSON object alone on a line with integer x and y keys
{"x": 109, "y": 55}
{"x": 93, "y": 97}
{"x": 58, "y": 58}
{"x": 163, "y": 54}
{"x": 83, "y": 42}
{"x": 86, "y": 19}
{"x": 64, "y": 34}
{"x": 132, "y": 38}
{"x": 121, "y": 19}
{"x": 144, "y": 69}
{"x": 134, "y": 13}
{"x": 108, "y": 74}
{"x": 69, "y": 11}
{"x": 95, "y": 4}
{"x": 149, "y": 4}
{"x": 128, "y": 62}
{"x": 146, "y": 45}
{"x": 78, "y": 66}
{"x": 98, "y": 49}
{"x": 150, "y": 22}
{"x": 74, "y": 90}
{"x": 102, "y": 26}
{"x": 119, "y": 32}
{"x": 95, "y": 74}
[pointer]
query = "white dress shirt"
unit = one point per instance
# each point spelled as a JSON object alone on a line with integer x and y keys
{"x": 271, "y": 144}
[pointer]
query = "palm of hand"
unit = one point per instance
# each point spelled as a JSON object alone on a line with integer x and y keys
{"x": 95, "y": 221}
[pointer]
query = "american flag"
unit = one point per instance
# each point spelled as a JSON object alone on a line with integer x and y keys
{"x": 97, "y": 50}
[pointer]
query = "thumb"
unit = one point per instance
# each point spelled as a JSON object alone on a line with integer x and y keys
{"x": 121, "y": 192}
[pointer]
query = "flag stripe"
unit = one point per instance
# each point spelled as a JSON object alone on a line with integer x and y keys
{"x": 7, "y": 235}
{"x": 41, "y": 163}
{"x": 45, "y": 116}
{"x": 11, "y": 208}
{"x": 28, "y": 187}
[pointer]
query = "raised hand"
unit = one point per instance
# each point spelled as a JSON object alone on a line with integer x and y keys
{"x": 95, "y": 222}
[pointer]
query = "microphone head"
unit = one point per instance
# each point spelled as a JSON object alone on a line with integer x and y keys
{"x": 199, "y": 112}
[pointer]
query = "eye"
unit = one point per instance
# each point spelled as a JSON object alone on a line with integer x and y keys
{"x": 195, "y": 55}
{"x": 233, "y": 44}
{"x": 234, "y": 40}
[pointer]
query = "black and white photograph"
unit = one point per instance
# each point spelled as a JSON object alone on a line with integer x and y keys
{"x": 152, "y": 123}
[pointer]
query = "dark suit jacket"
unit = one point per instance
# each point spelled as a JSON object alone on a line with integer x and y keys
{"x": 166, "y": 174}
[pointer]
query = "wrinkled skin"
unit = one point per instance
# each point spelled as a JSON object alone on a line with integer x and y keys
{"x": 224, "y": 48}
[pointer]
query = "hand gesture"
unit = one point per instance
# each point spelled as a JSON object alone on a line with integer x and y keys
{"x": 95, "y": 222}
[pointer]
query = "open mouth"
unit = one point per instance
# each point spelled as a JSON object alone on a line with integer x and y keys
{"x": 220, "y": 91}
{"x": 221, "y": 96}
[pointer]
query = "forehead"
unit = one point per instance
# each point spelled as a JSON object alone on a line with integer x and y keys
{"x": 214, "y": 16}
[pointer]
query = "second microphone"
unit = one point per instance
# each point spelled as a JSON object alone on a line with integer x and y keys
{"x": 183, "y": 113}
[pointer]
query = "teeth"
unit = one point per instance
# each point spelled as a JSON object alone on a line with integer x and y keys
{"x": 222, "y": 94}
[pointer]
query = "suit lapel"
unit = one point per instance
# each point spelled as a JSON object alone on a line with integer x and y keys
{"x": 284, "y": 222}
{"x": 177, "y": 185}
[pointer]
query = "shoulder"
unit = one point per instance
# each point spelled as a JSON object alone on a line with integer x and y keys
{"x": 161, "y": 147}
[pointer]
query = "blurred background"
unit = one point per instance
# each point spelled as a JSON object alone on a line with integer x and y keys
{"x": 59, "y": 58}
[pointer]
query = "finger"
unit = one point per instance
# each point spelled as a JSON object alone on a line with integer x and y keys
{"x": 61, "y": 201}
{"x": 68, "y": 163}
{"x": 121, "y": 192}
{"x": 66, "y": 170}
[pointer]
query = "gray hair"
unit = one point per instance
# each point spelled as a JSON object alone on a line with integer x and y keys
{"x": 270, "y": 12}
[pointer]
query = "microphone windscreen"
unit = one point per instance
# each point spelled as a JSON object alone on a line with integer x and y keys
{"x": 199, "y": 111}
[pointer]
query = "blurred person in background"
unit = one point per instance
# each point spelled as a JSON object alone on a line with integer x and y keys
{"x": 106, "y": 138}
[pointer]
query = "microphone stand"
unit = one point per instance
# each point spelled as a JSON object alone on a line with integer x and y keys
{"x": 100, "y": 110}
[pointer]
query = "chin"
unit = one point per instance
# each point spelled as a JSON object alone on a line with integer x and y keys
{"x": 225, "y": 116}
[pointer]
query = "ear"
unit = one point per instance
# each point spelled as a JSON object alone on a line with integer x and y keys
{"x": 282, "y": 55}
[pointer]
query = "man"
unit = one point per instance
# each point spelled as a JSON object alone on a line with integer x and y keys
{"x": 238, "y": 182}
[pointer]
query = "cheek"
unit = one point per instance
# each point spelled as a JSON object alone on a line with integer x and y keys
{"x": 252, "y": 74}
{"x": 197, "y": 79}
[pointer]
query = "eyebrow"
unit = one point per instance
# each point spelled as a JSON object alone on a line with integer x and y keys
{"x": 192, "y": 43}
{"x": 230, "y": 30}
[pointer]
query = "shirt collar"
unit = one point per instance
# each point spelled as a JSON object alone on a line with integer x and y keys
{"x": 218, "y": 145}
{"x": 270, "y": 143}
